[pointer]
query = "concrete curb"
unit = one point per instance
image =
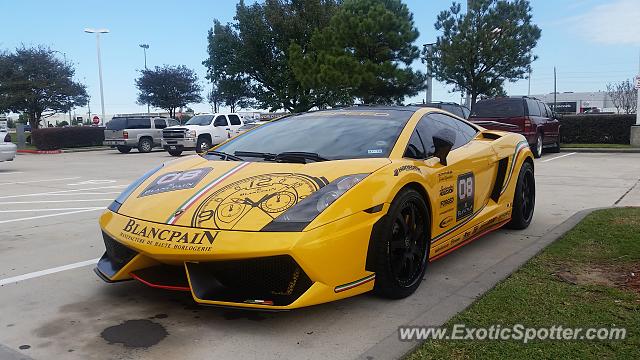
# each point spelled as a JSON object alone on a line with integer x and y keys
{"x": 602, "y": 150}
{"x": 38, "y": 152}
{"x": 392, "y": 348}
{"x": 62, "y": 151}
{"x": 96, "y": 148}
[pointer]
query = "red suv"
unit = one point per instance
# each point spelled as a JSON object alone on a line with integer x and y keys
{"x": 527, "y": 116}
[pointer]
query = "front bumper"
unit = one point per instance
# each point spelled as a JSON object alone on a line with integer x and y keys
{"x": 179, "y": 144}
{"x": 266, "y": 270}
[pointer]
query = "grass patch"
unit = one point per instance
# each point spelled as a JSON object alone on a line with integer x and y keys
{"x": 27, "y": 146}
{"x": 582, "y": 280}
{"x": 597, "y": 146}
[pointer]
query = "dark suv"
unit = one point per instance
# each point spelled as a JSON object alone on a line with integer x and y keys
{"x": 525, "y": 115}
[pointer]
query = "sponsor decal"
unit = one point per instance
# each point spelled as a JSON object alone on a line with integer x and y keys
{"x": 446, "y": 202}
{"x": 402, "y": 168}
{"x": 446, "y": 222}
{"x": 519, "y": 148}
{"x": 259, "y": 198}
{"x": 446, "y": 211}
{"x": 177, "y": 180}
{"x": 445, "y": 175}
{"x": 446, "y": 190}
{"x": 176, "y": 238}
{"x": 465, "y": 195}
{"x": 374, "y": 151}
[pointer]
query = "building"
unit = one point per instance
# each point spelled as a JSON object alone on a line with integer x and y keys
{"x": 578, "y": 102}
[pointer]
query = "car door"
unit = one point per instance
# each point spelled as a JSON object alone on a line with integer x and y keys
{"x": 464, "y": 184}
{"x": 235, "y": 123}
{"x": 220, "y": 129}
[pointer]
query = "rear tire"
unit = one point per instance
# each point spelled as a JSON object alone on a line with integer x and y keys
{"x": 401, "y": 246}
{"x": 124, "y": 149}
{"x": 175, "y": 152}
{"x": 537, "y": 147}
{"x": 524, "y": 199}
{"x": 145, "y": 145}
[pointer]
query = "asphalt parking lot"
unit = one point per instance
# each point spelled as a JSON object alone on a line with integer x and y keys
{"x": 49, "y": 209}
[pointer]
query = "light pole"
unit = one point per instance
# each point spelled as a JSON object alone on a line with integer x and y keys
{"x": 144, "y": 48}
{"x": 428, "y": 48}
{"x": 98, "y": 32}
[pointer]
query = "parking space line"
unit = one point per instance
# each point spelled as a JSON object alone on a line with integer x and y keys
{"x": 56, "y": 201}
{"x": 62, "y": 191}
{"x": 558, "y": 157}
{"x": 60, "y": 209}
{"x": 37, "y": 181}
{"x": 50, "y": 215}
{"x": 11, "y": 172}
{"x": 54, "y": 270}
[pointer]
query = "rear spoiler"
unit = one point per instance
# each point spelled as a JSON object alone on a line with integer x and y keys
{"x": 495, "y": 124}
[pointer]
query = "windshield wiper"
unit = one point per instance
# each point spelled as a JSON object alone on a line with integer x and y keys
{"x": 287, "y": 156}
{"x": 266, "y": 156}
{"x": 224, "y": 155}
{"x": 299, "y": 156}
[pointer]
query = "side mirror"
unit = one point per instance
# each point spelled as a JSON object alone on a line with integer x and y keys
{"x": 443, "y": 142}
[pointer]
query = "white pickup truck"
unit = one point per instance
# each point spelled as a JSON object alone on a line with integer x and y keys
{"x": 200, "y": 133}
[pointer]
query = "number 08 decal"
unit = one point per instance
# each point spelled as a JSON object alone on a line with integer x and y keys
{"x": 465, "y": 195}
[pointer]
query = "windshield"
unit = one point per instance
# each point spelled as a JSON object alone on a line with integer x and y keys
{"x": 117, "y": 124}
{"x": 330, "y": 134}
{"x": 497, "y": 108}
{"x": 200, "y": 120}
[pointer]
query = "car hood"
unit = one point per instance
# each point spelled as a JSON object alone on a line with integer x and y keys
{"x": 229, "y": 195}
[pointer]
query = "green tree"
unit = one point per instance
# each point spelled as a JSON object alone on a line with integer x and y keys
{"x": 481, "y": 49}
{"x": 232, "y": 87}
{"x": 168, "y": 87}
{"x": 255, "y": 50}
{"x": 365, "y": 53}
{"x": 34, "y": 81}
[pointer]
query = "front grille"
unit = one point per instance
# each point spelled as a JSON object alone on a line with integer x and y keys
{"x": 173, "y": 133}
{"x": 117, "y": 253}
{"x": 277, "y": 278}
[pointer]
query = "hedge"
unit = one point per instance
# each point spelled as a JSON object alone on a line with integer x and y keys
{"x": 596, "y": 128}
{"x": 67, "y": 137}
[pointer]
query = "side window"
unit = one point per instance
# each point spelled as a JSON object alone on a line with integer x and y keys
{"x": 134, "y": 123}
{"x": 234, "y": 120}
{"x": 415, "y": 149}
{"x": 426, "y": 129}
{"x": 532, "y": 105}
{"x": 160, "y": 123}
{"x": 543, "y": 111}
{"x": 221, "y": 120}
{"x": 464, "y": 132}
{"x": 549, "y": 111}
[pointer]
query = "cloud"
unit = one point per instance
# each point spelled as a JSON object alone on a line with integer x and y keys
{"x": 614, "y": 23}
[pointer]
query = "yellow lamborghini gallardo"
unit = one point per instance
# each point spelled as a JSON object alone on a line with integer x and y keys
{"x": 317, "y": 207}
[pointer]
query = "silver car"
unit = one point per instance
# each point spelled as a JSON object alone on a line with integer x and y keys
{"x": 7, "y": 148}
{"x": 143, "y": 133}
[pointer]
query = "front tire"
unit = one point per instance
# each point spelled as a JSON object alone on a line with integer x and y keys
{"x": 124, "y": 149}
{"x": 524, "y": 199}
{"x": 203, "y": 145}
{"x": 401, "y": 246}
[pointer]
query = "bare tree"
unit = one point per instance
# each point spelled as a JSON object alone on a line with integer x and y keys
{"x": 624, "y": 96}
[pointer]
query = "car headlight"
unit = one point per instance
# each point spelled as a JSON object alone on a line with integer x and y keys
{"x": 301, "y": 214}
{"x": 115, "y": 205}
{"x": 192, "y": 133}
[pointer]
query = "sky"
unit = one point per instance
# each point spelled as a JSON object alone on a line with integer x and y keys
{"x": 590, "y": 42}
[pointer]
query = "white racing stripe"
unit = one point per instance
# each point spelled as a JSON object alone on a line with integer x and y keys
{"x": 63, "y": 192}
{"x": 37, "y": 181}
{"x": 54, "y": 270}
{"x": 558, "y": 157}
{"x": 50, "y": 215}
{"x": 60, "y": 209}
{"x": 52, "y": 201}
